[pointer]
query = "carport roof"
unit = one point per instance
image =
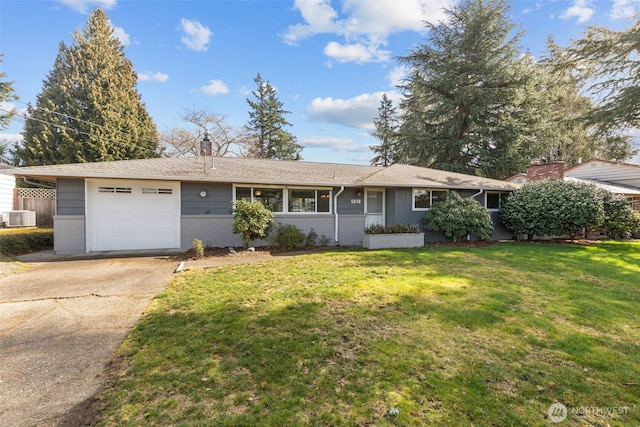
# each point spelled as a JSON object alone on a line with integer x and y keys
{"x": 263, "y": 171}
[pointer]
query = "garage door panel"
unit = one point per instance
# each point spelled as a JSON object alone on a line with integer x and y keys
{"x": 128, "y": 215}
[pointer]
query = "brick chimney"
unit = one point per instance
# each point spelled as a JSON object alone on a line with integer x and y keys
{"x": 541, "y": 171}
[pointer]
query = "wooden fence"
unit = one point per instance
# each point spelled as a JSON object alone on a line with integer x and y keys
{"x": 40, "y": 200}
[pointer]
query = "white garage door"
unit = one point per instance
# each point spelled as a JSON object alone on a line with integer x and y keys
{"x": 130, "y": 215}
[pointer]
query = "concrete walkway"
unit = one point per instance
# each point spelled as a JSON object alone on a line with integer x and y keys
{"x": 61, "y": 321}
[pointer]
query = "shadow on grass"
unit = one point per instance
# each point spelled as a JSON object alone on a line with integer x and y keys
{"x": 451, "y": 337}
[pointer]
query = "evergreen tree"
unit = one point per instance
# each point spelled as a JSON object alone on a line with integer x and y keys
{"x": 7, "y": 95}
{"x": 469, "y": 102}
{"x": 564, "y": 134}
{"x": 267, "y": 122}
{"x": 607, "y": 62}
{"x": 89, "y": 109}
{"x": 387, "y": 132}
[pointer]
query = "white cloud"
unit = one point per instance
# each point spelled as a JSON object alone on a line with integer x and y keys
{"x": 397, "y": 75}
{"x": 319, "y": 18}
{"x": 364, "y": 25}
{"x": 357, "y": 112}
{"x": 385, "y": 17}
{"x": 215, "y": 87}
{"x": 83, "y": 6}
{"x": 196, "y": 36}
{"x": 10, "y": 138}
{"x": 535, "y": 8}
{"x": 625, "y": 9}
{"x": 581, "y": 10}
{"x": 335, "y": 143}
{"x": 122, "y": 35}
{"x": 357, "y": 53}
{"x": 148, "y": 76}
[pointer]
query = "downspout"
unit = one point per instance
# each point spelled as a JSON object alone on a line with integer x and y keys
{"x": 335, "y": 213}
{"x": 477, "y": 194}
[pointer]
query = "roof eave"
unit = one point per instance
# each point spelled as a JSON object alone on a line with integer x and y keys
{"x": 53, "y": 177}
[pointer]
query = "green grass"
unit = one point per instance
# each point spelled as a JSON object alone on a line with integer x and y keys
{"x": 449, "y": 336}
{"x": 18, "y": 241}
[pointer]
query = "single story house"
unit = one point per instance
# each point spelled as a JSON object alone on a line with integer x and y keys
{"x": 615, "y": 177}
{"x": 166, "y": 203}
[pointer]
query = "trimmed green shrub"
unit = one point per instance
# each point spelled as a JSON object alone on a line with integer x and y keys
{"x": 198, "y": 248}
{"x": 392, "y": 229}
{"x": 252, "y": 220}
{"x": 288, "y": 237}
{"x": 23, "y": 241}
{"x": 458, "y": 217}
{"x": 620, "y": 220}
{"x": 553, "y": 208}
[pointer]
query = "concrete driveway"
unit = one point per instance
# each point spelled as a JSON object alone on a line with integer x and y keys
{"x": 61, "y": 321}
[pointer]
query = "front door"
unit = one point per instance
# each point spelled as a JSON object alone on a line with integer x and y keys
{"x": 374, "y": 207}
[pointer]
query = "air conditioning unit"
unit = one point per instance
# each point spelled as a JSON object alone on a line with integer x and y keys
{"x": 21, "y": 219}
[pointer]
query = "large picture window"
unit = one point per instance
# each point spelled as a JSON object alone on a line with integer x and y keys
{"x": 424, "y": 198}
{"x": 293, "y": 200}
{"x": 304, "y": 200}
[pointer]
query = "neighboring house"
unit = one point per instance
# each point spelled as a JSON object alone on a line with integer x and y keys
{"x": 166, "y": 203}
{"x": 7, "y": 184}
{"x": 616, "y": 177}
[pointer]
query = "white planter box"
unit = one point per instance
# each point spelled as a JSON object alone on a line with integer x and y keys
{"x": 400, "y": 240}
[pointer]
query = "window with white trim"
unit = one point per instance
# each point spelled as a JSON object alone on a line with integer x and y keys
{"x": 494, "y": 200}
{"x": 272, "y": 198}
{"x": 288, "y": 200}
{"x": 425, "y": 198}
{"x": 308, "y": 200}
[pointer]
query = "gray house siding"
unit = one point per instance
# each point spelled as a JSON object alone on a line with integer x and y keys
{"x": 69, "y": 221}
{"x": 351, "y": 229}
{"x": 399, "y": 209}
{"x": 209, "y": 218}
{"x": 349, "y": 203}
{"x": 69, "y": 234}
{"x": 218, "y": 200}
{"x": 213, "y": 230}
{"x": 500, "y": 232}
{"x": 70, "y": 197}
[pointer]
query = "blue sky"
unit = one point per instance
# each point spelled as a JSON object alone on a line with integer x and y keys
{"x": 330, "y": 61}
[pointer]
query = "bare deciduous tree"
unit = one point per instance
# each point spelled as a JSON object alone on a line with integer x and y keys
{"x": 227, "y": 140}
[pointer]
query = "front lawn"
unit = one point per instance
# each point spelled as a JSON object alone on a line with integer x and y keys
{"x": 432, "y": 336}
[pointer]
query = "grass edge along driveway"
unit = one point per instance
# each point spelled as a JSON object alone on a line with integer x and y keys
{"x": 433, "y": 336}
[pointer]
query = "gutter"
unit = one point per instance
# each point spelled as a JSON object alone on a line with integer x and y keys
{"x": 335, "y": 214}
{"x": 37, "y": 184}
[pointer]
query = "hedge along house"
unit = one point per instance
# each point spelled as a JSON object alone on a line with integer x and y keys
{"x": 166, "y": 203}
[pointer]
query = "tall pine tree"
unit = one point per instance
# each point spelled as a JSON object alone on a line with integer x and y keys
{"x": 608, "y": 64}
{"x": 565, "y": 133}
{"x": 386, "y": 153}
{"x": 7, "y": 95}
{"x": 467, "y": 106}
{"x": 89, "y": 109}
{"x": 267, "y": 123}
{"x": 7, "y": 113}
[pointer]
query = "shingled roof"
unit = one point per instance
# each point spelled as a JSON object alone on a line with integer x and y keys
{"x": 263, "y": 171}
